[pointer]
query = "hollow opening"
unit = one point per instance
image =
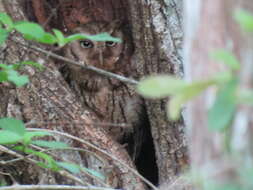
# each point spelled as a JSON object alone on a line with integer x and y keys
{"x": 146, "y": 162}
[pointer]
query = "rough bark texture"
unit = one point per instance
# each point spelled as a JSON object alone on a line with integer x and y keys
{"x": 157, "y": 29}
{"x": 210, "y": 26}
{"x": 48, "y": 99}
{"x": 157, "y": 35}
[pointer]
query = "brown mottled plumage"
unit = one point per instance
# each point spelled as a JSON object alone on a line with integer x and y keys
{"x": 112, "y": 101}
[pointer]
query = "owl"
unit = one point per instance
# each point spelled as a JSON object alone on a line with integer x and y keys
{"x": 111, "y": 100}
{"x": 106, "y": 55}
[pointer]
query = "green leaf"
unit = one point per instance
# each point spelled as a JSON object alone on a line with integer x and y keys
{"x": 37, "y": 134}
{"x": 60, "y": 37}
{"x": 47, "y": 39}
{"x": 223, "y": 109}
{"x": 103, "y": 37}
{"x": 245, "y": 97}
{"x": 244, "y": 19}
{"x": 3, "y": 76}
{"x": 9, "y": 137}
{"x": 50, "y": 162}
{"x": 227, "y": 58}
{"x": 13, "y": 125}
{"x": 94, "y": 173}
{"x": 50, "y": 144}
{"x": 3, "y": 35}
{"x": 19, "y": 148}
{"x": 160, "y": 86}
{"x": 74, "y": 37}
{"x": 4, "y": 66}
{"x": 188, "y": 93}
{"x": 30, "y": 29}
{"x": 6, "y": 20}
{"x": 34, "y": 64}
{"x": 73, "y": 168}
{"x": 18, "y": 80}
{"x": 217, "y": 186}
{"x": 43, "y": 165}
{"x": 29, "y": 135}
{"x": 98, "y": 37}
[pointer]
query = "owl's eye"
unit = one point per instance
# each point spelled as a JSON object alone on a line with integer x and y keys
{"x": 110, "y": 43}
{"x": 86, "y": 44}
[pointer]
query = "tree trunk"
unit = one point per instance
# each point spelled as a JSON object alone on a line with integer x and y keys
{"x": 210, "y": 26}
{"x": 48, "y": 102}
{"x": 157, "y": 29}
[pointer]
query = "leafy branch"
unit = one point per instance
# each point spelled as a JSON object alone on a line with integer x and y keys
{"x": 13, "y": 133}
{"x": 33, "y": 31}
{"x": 84, "y": 66}
{"x": 229, "y": 95}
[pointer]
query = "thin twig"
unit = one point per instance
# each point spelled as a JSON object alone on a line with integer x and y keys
{"x": 122, "y": 125}
{"x": 73, "y": 149}
{"x": 8, "y": 162}
{"x": 87, "y": 67}
{"x": 52, "y": 187}
{"x": 62, "y": 172}
{"x": 100, "y": 150}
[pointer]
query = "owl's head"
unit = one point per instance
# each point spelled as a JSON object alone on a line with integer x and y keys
{"x": 104, "y": 55}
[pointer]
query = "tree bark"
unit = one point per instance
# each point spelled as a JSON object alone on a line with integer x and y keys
{"x": 210, "y": 26}
{"x": 48, "y": 99}
{"x": 156, "y": 28}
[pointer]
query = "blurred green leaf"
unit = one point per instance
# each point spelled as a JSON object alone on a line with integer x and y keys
{"x": 16, "y": 78}
{"x": 244, "y": 19}
{"x": 13, "y": 125}
{"x": 19, "y": 147}
{"x": 216, "y": 186}
{"x": 34, "y": 64}
{"x": 9, "y": 137}
{"x": 98, "y": 37}
{"x": 47, "y": 39}
{"x": 30, "y": 29}
{"x": 6, "y": 20}
{"x": 59, "y": 37}
{"x": 29, "y": 135}
{"x": 43, "y": 165}
{"x": 103, "y": 37}
{"x": 245, "y": 97}
{"x": 50, "y": 162}
{"x": 227, "y": 58}
{"x": 50, "y": 144}
{"x": 75, "y": 37}
{"x": 3, "y": 76}
{"x": 223, "y": 109}
{"x": 185, "y": 95}
{"x": 160, "y": 86}
{"x": 94, "y": 173}
{"x": 3, "y": 35}
{"x": 4, "y": 66}
{"x": 221, "y": 78}
{"x": 73, "y": 168}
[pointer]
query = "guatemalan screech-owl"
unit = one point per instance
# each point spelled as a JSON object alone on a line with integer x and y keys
{"x": 106, "y": 55}
{"x": 112, "y": 101}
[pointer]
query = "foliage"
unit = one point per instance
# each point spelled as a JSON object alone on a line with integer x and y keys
{"x": 33, "y": 31}
{"x": 229, "y": 96}
{"x": 12, "y": 131}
